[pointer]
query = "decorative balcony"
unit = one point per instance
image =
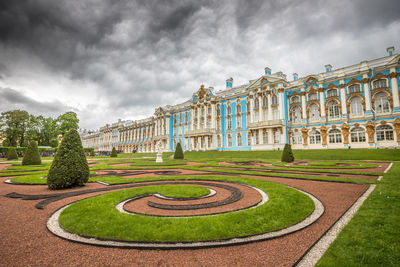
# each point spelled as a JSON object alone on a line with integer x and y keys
{"x": 205, "y": 131}
{"x": 261, "y": 124}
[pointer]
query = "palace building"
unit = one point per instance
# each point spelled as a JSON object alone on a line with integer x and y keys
{"x": 352, "y": 107}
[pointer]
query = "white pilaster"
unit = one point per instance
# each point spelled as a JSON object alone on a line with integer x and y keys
{"x": 280, "y": 101}
{"x": 213, "y": 116}
{"x": 303, "y": 103}
{"x": 260, "y": 110}
{"x": 343, "y": 97}
{"x": 395, "y": 88}
{"x": 251, "y": 110}
{"x": 322, "y": 101}
{"x": 269, "y": 107}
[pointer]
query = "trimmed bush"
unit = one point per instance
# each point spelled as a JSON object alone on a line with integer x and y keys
{"x": 69, "y": 167}
{"x": 32, "y": 156}
{"x": 114, "y": 153}
{"x": 178, "y": 152}
{"x": 91, "y": 153}
{"x": 287, "y": 154}
{"x": 12, "y": 153}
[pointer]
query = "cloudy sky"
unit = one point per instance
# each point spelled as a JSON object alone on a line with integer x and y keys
{"x": 111, "y": 59}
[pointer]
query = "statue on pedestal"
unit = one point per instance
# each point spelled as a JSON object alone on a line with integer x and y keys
{"x": 159, "y": 152}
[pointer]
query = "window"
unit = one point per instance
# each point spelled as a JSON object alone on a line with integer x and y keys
{"x": 238, "y": 121}
{"x": 209, "y": 110}
{"x": 313, "y": 96}
{"x": 354, "y": 88}
{"x": 175, "y": 121}
{"x": 219, "y": 141}
{"x": 218, "y": 110}
{"x": 297, "y": 139}
{"x": 332, "y": 92}
{"x": 186, "y": 116}
{"x": 265, "y": 137}
{"x": 333, "y": 109}
{"x": 208, "y": 123}
{"x": 381, "y": 103}
{"x": 314, "y": 112}
{"x": 229, "y": 140}
{"x": 229, "y": 110}
{"x": 296, "y": 115}
{"x": 265, "y": 114}
{"x": 239, "y": 140}
{"x": 229, "y": 122}
{"x": 256, "y": 104}
{"x": 357, "y": 135}
{"x": 265, "y": 101}
{"x": 356, "y": 108}
{"x": 248, "y": 106}
{"x": 202, "y": 111}
{"x": 275, "y": 114}
{"x": 209, "y": 141}
{"x": 256, "y": 115}
{"x": 202, "y": 123}
{"x": 238, "y": 108}
{"x": 296, "y": 99}
{"x": 249, "y": 139}
{"x": 381, "y": 83}
{"x": 384, "y": 133}
{"x": 315, "y": 137}
{"x": 257, "y": 137}
{"x": 277, "y": 137}
{"x": 274, "y": 100}
{"x": 335, "y": 136}
{"x": 218, "y": 124}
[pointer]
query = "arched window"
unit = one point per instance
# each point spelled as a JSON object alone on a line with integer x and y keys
{"x": 229, "y": 110}
{"x": 381, "y": 103}
{"x": 381, "y": 83}
{"x": 357, "y": 135}
{"x": 296, "y": 114}
{"x": 229, "y": 140}
{"x": 332, "y": 92}
{"x": 333, "y": 109}
{"x": 277, "y": 137}
{"x": 202, "y": 123}
{"x": 265, "y": 101}
{"x": 314, "y": 112}
{"x": 257, "y": 137}
{"x": 209, "y": 110}
{"x": 297, "y": 139}
{"x": 249, "y": 139}
{"x": 256, "y": 104}
{"x": 248, "y": 106}
{"x": 229, "y": 122}
{"x": 335, "y": 136}
{"x": 202, "y": 111}
{"x": 354, "y": 88}
{"x": 208, "y": 123}
{"x": 218, "y": 110}
{"x": 218, "y": 124}
{"x": 265, "y": 137}
{"x": 219, "y": 143}
{"x": 239, "y": 140}
{"x": 274, "y": 100}
{"x": 315, "y": 137}
{"x": 384, "y": 133}
{"x": 295, "y": 99}
{"x": 238, "y": 108}
{"x": 275, "y": 114}
{"x": 313, "y": 96}
{"x": 356, "y": 107}
{"x": 239, "y": 121}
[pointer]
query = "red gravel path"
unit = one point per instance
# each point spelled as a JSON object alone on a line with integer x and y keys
{"x": 25, "y": 241}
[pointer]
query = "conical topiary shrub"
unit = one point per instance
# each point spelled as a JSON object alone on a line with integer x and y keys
{"x": 69, "y": 167}
{"x": 287, "y": 154}
{"x": 12, "y": 153}
{"x": 178, "y": 152}
{"x": 114, "y": 153}
{"x": 91, "y": 153}
{"x": 32, "y": 156}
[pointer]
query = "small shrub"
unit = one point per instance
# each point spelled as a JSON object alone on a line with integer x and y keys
{"x": 12, "y": 153}
{"x": 178, "y": 152}
{"x": 91, "y": 153}
{"x": 32, "y": 156}
{"x": 287, "y": 154}
{"x": 114, "y": 153}
{"x": 69, "y": 167}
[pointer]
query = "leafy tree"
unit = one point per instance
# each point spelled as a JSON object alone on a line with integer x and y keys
{"x": 114, "y": 153}
{"x": 32, "y": 156}
{"x": 13, "y": 125}
{"x": 287, "y": 154}
{"x": 178, "y": 152}
{"x": 69, "y": 167}
{"x": 67, "y": 121}
{"x": 12, "y": 153}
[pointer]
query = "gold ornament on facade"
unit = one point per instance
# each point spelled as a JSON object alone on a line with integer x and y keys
{"x": 324, "y": 134}
{"x": 304, "y": 133}
{"x": 393, "y": 75}
{"x": 353, "y": 81}
{"x": 302, "y": 93}
{"x": 396, "y": 125}
{"x": 365, "y": 80}
{"x": 281, "y": 90}
{"x": 290, "y": 133}
{"x": 331, "y": 86}
{"x": 379, "y": 76}
{"x": 342, "y": 85}
{"x": 383, "y": 122}
{"x": 345, "y": 132}
{"x": 370, "y": 131}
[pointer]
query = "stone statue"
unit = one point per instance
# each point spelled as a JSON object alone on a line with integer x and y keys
{"x": 159, "y": 152}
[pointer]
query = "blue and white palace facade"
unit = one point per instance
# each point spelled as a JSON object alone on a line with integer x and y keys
{"x": 355, "y": 106}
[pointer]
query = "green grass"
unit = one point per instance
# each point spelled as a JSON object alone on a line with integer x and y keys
{"x": 372, "y": 238}
{"x": 97, "y": 216}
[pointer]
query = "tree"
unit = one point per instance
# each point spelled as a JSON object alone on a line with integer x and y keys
{"x": 32, "y": 156}
{"x": 114, "y": 153}
{"x": 67, "y": 121}
{"x": 178, "y": 152}
{"x": 287, "y": 154}
{"x": 13, "y": 125}
{"x": 69, "y": 167}
{"x": 12, "y": 153}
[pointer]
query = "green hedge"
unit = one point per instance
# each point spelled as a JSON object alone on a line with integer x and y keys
{"x": 32, "y": 156}
{"x": 12, "y": 154}
{"x": 178, "y": 152}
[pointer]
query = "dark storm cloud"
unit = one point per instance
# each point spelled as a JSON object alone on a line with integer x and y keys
{"x": 142, "y": 54}
{"x": 12, "y": 99}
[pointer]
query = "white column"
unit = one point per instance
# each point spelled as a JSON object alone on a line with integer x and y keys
{"x": 280, "y": 101}
{"x": 343, "y": 97}
{"x": 260, "y": 136}
{"x": 260, "y": 106}
{"x": 269, "y": 107}
{"x": 395, "y": 88}
{"x": 206, "y": 143}
{"x": 198, "y": 117}
{"x": 192, "y": 119}
{"x": 303, "y": 104}
{"x": 251, "y": 110}
{"x": 213, "y": 116}
{"x": 167, "y": 125}
{"x": 322, "y": 100}
{"x": 156, "y": 127}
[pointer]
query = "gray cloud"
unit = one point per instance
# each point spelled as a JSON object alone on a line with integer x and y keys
{"x": 142, "y": 54}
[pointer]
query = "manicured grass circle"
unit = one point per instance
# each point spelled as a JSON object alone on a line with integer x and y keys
{"x": 98, "y": 216}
